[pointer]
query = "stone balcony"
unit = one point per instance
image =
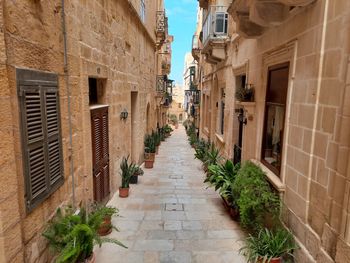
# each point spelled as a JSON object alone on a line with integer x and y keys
{"x": 161, "y": 27}
{"x": 215, "y": 34}
{"x": 254, "y": 17}
{"x": 196, "y": 47}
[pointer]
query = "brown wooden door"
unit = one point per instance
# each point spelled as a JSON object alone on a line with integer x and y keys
{"x": 100, "y": 153}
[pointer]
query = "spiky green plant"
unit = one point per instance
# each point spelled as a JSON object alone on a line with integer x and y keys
{"x": 212, "y": 157}
{"x": 150, "y": 146}
{"x": 127, "y": 170}
{"x": 268, "y": 244}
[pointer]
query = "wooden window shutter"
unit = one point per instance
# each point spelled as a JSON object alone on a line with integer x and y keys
{"x": 41, "y": 134}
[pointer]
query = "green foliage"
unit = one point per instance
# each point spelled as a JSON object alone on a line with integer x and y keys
{"x": 149, "y": 143}
{"x": 212, "y": 156}
{"x": 73, "y": 235}
{"x": 167, "y": 129}
{"x": 254, "y": 196}
{"x": 202, "y": 148}
{"x": 138, "y": 170}
{"x": 268, "y": 244}
{"x": 156, "y": 138}
{"x": 127, "y": 170}
{"x": 222, "y": 177}
{"x": 173, "y": 119}
{"x": 245, "y": 94}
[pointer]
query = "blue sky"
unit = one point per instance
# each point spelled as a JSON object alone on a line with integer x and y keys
{"x": 182, "y": 16}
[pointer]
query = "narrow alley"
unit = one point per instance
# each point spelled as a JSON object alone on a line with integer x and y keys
{"x": 171, "y": 216}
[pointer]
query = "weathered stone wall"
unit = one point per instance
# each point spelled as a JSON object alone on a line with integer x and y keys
{"x": 315, "y": 158}
{"x": 106, "y": 40}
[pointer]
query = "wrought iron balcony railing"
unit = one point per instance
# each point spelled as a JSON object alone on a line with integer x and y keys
{"x": 161, "y": 23}
{"x": 161, "y": 83}
{"x": 215, "y": 23}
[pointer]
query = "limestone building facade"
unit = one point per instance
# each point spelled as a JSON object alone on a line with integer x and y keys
{"x": 78, "y": 93}
{"x": 294, "y": 55}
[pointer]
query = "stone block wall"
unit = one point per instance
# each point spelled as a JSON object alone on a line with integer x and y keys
{"x": 315, "y": 161}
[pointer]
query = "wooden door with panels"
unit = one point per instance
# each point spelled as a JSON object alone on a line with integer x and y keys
{"x": 100, "y": 152}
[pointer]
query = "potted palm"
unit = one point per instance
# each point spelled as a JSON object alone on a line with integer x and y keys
{"x": 73, "y": 234}
{"x": 126, "y": 173}
{"x": 269, "y": 246}
{"x": 150, "y": 149}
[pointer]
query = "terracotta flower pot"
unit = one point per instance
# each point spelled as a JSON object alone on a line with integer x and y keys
{"x": 273, "y": 260}
{"x": 149, "y": 164}
{"x": 91, "y": 259}
{"x": 106, "y": 226}
{"x": 123, "y": 192}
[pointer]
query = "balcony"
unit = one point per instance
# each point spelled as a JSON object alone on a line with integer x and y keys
{"x": 254, "y": 17}
{"x": 161, "y": 27}
{"x": 203, "y": 3}
{"x": 161, "y": 83}
{"x": 196, "y": 50}
{"x": 215, "y": 35}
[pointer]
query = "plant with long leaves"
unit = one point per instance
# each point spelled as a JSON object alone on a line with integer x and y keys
{"x": 202, "y": 149}
{"x": 212, "y": 157}
{"x": 74, "y": 234}
{"x": 127, "y": 170}
{"x": 268, "y": 244}
{"x": 149, "y": 143}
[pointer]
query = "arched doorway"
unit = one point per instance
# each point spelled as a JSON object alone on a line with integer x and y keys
{"x": 180, "y": 117}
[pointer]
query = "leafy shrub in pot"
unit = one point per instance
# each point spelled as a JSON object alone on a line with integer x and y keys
{"x": 269, "y": 246}
{"x": 254, "y": 196}
{"x": 73, "y": 235}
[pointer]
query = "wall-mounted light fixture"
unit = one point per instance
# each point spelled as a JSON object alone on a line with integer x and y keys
{"x": 124, "y": 114}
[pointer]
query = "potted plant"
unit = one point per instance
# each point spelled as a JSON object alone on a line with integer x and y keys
{"x": 269, "y": 246}
{"x": 73, "y": 234}
{"x": 167, "y": 130}
{"x": 126, "y": 173}
{"x": 150, "y": 149}
{"x": 106, "y": 212}
{"x": 157, "y": 140}
{"x": 256, "y": 200}
{"x": 245, "y": 94}
{"x": 135, "y": 177}
{"x": 212, "y": 156}
{"x": 222, "y": 176}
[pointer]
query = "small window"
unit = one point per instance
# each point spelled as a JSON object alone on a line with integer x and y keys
{"x": 275, "y": 107}
{"x": 179, "y": 105}
{"x": 41, "y": 135}
{"x": 143, "y": 10}
{"x": 221, "y": 23}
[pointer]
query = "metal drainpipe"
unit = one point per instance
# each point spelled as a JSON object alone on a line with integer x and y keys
{"x": 66, "y": 77}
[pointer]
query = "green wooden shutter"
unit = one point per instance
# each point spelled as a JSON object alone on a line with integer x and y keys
{"x": 41, "y": 135}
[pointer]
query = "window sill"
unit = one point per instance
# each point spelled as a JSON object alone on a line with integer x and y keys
{"x": 220, "y": 138}
{"x": 274, "y": 179}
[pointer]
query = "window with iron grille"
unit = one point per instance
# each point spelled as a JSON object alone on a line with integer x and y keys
{"x": 143, "y": 10}
{"x": 41, "y": 134}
